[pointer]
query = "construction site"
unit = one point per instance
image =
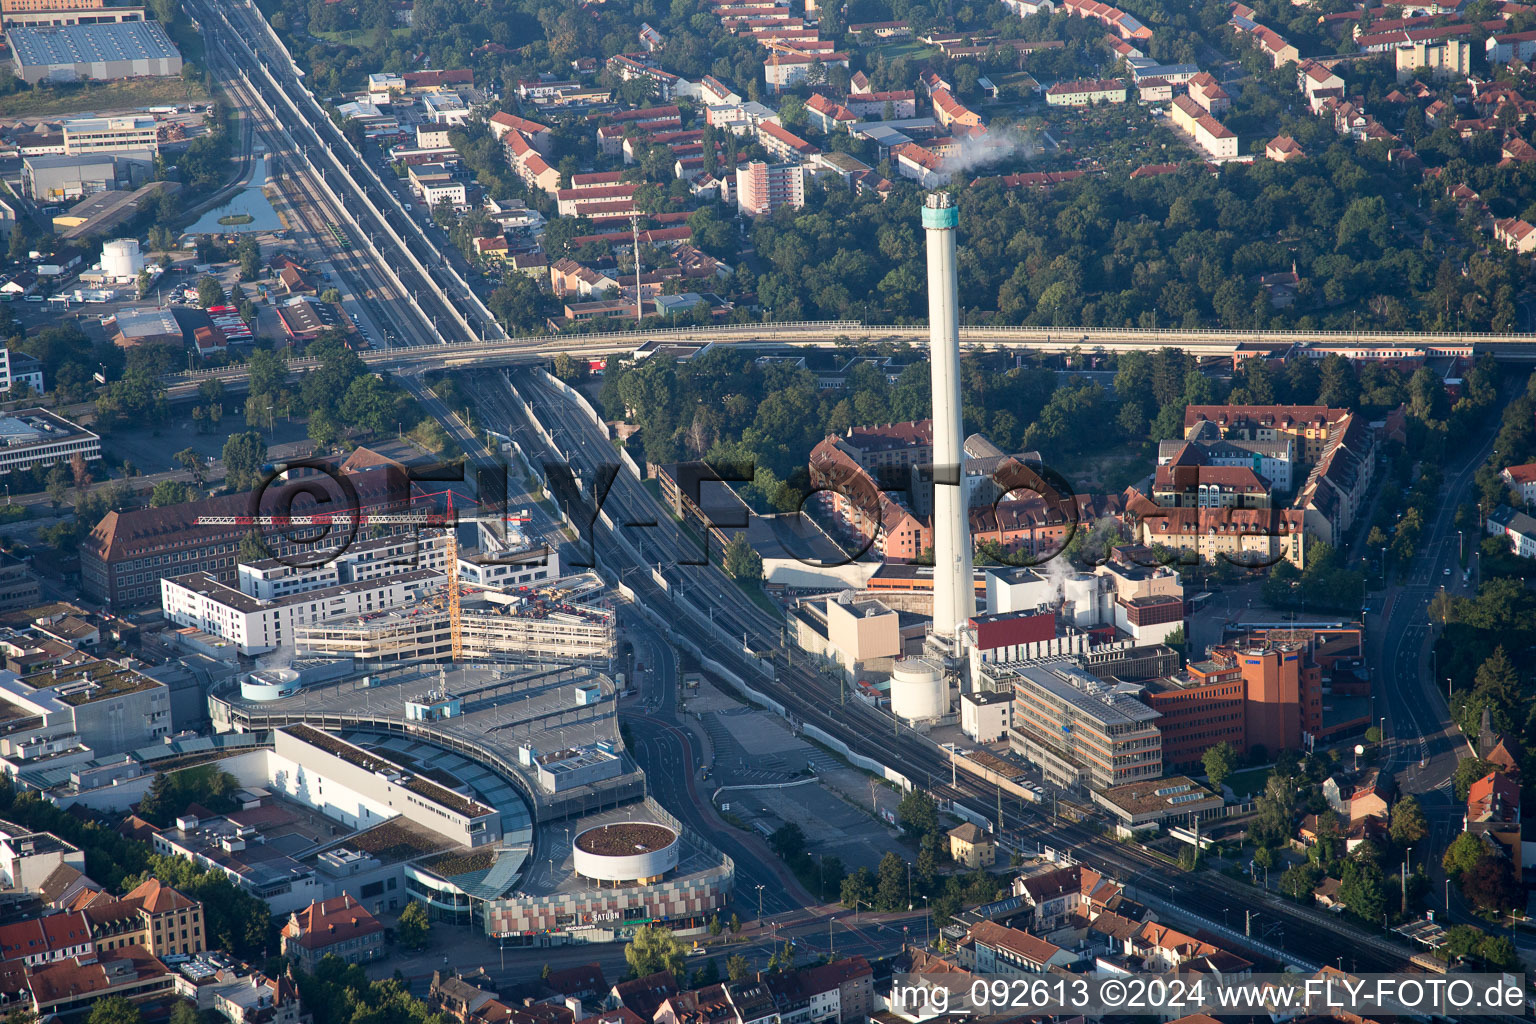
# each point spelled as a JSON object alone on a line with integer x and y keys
{"x": 569, "y": 619}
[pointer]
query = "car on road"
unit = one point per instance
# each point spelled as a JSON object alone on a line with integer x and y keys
{"x": 1447, "y": 572}
{"x": 698, "y": 951}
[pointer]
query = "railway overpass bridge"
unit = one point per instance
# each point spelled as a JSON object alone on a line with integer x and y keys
{"x": 820, "y": 334}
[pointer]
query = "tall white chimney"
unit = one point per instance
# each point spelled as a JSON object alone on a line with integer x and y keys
{"x": 954, "y": 595}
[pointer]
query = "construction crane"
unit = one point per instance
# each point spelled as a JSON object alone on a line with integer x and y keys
{"x": 445, "y": 520}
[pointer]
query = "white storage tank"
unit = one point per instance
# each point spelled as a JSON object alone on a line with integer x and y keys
{"x": 1080, "y": 598}
{"x": 919, "y": 692}
{"x": 121, "y": 259}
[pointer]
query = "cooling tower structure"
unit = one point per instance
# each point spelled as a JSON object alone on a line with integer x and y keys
{"x": 954, "y": 594}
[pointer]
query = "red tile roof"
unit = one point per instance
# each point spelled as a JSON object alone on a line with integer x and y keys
{"x": 325, "y": 923}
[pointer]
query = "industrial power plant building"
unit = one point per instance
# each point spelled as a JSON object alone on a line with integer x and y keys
{"x": 71, "y": 53}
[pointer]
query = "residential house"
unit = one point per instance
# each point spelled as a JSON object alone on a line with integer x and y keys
{"x": 1522, "y": 480}
{"x": 997, "y": 949}
{"x": 1517, "y": 527}
{"x": 1206, "y": 91}
{"x": 972, "y": 847}
{"x": 1283, "y": 148}
{"x": 1086, "y": 92}
{"x": 921, "y": 165}
{"x": 1515, "y": 233}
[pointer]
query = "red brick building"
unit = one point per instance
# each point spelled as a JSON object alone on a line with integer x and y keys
{"x": 1265, "y": 694}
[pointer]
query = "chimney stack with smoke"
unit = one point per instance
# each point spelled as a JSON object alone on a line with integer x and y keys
{"x": 954, "y": 595}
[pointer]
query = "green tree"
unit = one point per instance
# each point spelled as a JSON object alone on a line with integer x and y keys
{"x": 185, "y": 1012}
{"x": 737, "y": 968}
{"x": 1299, "y": 880}
{"x": 788, "y": 841}
{"x": 1464, "y": 853}
{"x": 1408, "y": 822}
{"x": 57, "y": 484}
{"x": 154, "y": 804}
{"x": 570, "y": 369}
{"x": 1362, "y": 889}
{"x": 268, "y": 372}
{"x": 742, "y": 563}
{"x": 171, "y": 492}
{"x": 653, "y": 950}
{"x": 189, "y": 460}
{"x": 323, "y": 428}
{"x": 248, "y": 252}
{"x": 114, "y": 1010}
{"x": 414, "y": 926}
{"x": 367, "y": 404}
{"x": 1491, "y": 885}
{"x": 209, "y": 291}
{"x": 244, "y": 455}
{"x": 1218, "y": 762}
{"x": 917, "y": 814}
{"x": 858, "y": 887}
{"x": 331, "y": 295}
{"x": 891, "y": 892}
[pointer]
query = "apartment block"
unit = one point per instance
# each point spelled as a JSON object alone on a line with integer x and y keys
{"x": 762, "y": 188}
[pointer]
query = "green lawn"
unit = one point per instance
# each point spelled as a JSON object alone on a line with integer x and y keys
{"x": 905, "y": 48}
{"x": 1248, "y": 783}
{"x": 101, "y": 96}
{"x": 356, "y": 36}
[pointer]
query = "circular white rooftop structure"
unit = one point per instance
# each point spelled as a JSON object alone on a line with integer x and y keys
{"x": 626, "y": 851}
{"x": 270, "y": 684}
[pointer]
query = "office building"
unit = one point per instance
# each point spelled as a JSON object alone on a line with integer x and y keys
{"x": 55, "y": 178}
{"x": 1261, "y": 697}
{"x": 23, "y": 6}
{"x": 98, "y": 704}
{"x": 43, "y": 17}
{"x": 36, "y": 437}
{"x": 762, "y": 188}
{"x": 129, "y": 133}
{"x": 1516, "y": 527}
{"x": 1309, "y": 426}
{"x": 133, "y": 49}
{"x": 19, "y": 368}
{"x": 1077, "y": 728}
{"x": 1273, "y": 460}
{"x": 28, "y": 857}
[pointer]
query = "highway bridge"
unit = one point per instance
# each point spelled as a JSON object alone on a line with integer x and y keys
{"x": 538, "y": 348}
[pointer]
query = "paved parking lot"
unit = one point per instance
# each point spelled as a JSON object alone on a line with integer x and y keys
{"x": 761, "y": 767}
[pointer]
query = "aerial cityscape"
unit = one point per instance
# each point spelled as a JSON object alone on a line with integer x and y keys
{"x": 1018, "y": 509}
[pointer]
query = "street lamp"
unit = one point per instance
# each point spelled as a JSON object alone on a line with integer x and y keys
{"x": 927, "y": 916}
{"x": 759, "y": 906}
